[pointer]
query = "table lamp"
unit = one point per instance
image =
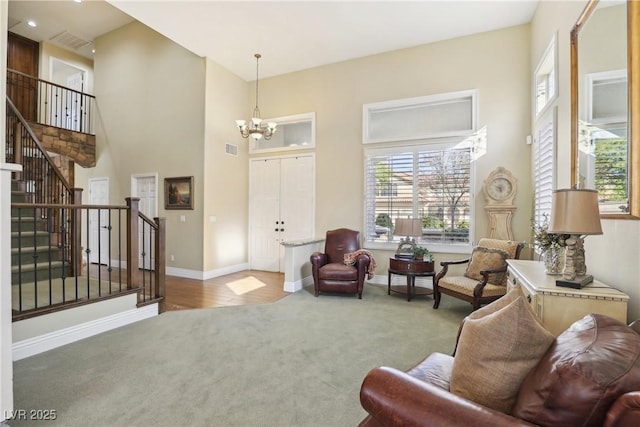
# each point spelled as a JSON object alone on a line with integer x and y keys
{"x": 575, "y": 212}
{"x": 410, "y": 228}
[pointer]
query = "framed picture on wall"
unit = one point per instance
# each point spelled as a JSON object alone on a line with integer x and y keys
{"x": 178, "y": 193}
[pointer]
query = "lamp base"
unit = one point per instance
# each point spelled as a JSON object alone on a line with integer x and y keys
{"x": 578, "y": 283}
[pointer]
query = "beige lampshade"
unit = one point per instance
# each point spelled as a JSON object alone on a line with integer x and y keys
{"x": 408, "y": 227}
{"x": 575, "y": 212}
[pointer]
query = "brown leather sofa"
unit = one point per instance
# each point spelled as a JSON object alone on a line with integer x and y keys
{"x": 330, "y": 273}
{"x": 590, "y": 376}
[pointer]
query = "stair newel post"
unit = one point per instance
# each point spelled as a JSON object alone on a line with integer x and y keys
{"x": 132, "y": 241}
{"x": 75, "y": 234}
{"x": 160, "y": 263}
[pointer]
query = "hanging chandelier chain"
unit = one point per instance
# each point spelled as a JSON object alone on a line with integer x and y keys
{"x": 258, "y": 56}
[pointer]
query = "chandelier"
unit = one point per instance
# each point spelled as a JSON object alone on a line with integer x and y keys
{"x": 256, "y": 129}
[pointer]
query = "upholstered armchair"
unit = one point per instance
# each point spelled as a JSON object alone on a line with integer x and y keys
{"x": 330, "y": 273}
{"x": 485, "y": 279}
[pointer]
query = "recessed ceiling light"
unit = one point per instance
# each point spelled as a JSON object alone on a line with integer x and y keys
{"x": 78, "y": 1}
{"x": 32, "y": 23}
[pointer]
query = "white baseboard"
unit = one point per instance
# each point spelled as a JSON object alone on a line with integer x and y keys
{"x": 49, "y": 341}
{"x": 298, "y": 284}
{"x": 204, "y": 275}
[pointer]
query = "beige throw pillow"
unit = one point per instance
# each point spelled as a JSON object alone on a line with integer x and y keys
{"x": 487, "y": 259}
{"x": 496, "y": 352}
{"x": 498, "y": 304}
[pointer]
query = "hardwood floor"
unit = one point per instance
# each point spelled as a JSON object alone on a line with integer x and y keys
{"x": 245, "y": 287}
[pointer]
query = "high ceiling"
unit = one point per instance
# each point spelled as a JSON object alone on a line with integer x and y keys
{"x": 290, "y": 35}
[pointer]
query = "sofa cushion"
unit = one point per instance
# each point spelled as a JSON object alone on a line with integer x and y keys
{"x": 496, "y": 352}
{"x": 487, "y": 259}
{"x": 338, "y": 271}
{"x": 435, "y": 369}
{"x": 585, "y": 370}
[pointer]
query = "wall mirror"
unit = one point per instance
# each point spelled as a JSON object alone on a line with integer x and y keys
{"x": 605, "y": 140}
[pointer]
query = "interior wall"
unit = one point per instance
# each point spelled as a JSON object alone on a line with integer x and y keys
{"x": 150, "y": 103}
{"x": 226, "y": 177}
{"x": 496, "y": 63}
{"x": 614, "y": 257}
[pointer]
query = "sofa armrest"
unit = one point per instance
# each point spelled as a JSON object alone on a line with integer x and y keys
{"x": 394, "y": 398}
{"x": 318, "y": 259}
{"x": 625, "y": 411}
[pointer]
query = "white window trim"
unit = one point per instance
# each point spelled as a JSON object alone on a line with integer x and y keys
{"x": 421, "y": 100}
{"x": 550, "y": 53}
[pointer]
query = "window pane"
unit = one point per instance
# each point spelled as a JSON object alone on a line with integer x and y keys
{"x": 418, "y": 118}
{"x": 444, "y": 184}
{"x": 431, "y": 185}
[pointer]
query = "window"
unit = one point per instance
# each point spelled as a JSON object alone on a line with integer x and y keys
{"x": 443, "y": 115}
{"x": 602, "y": 141}
{"x": 430, "y": 178}
{"x": 431, "y": 182}
{"x": 545, "y": 90}
{"x": 295, "y": 132}
{"x": 544, "y": 167}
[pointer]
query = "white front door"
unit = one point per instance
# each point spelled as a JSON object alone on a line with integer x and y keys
{"x": 281, "y": 207}
{"x": 97, "y": 244}
{"x": 145, "y": 187}
{"x": 296, "y": 200}
{"x": 265, "y": 215}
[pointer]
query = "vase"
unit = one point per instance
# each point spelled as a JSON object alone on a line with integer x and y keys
{"x": 553, "y": 260}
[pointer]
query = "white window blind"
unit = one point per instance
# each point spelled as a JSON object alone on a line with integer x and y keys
{"x": 544, "y": 167}
{"x": 428, "y": 182}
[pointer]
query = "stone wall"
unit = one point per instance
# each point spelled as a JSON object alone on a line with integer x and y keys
{"x": 78, "y": 147}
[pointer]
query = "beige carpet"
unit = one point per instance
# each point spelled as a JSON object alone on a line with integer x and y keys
{"x": 297, "y": 362}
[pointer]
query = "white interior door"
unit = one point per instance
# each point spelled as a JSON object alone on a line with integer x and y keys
{"x": 72, "y": 77}
{"x": 98, "y": 240}
{"x": 145, "y": 187}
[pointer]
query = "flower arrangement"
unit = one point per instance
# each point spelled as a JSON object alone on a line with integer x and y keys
{"x": 543, "y": 240}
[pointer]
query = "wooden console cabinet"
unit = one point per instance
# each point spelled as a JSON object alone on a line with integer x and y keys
{"x": 558, "y": 307}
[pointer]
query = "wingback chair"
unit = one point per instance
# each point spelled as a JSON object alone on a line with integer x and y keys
{"x": 485, "y": 279}
{"x": 330, "y": 273}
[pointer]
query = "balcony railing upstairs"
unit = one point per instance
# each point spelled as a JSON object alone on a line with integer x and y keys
{"x": 51, "y": 104}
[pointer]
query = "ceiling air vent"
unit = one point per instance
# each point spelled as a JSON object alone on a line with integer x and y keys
{"x": 69, "y": 40}
{"x": 231, "y": 149}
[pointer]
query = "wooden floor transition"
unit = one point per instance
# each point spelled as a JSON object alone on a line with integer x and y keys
{"x": 245, "y": 287}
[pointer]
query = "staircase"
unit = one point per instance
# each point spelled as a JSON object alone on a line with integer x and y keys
{"x": 50, "y": 226}
{"x": 35, "y": 254}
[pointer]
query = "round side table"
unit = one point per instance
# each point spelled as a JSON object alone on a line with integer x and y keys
{"x": 410, "y": 268}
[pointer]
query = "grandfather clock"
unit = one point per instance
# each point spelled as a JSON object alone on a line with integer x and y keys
{"x": 500, "y": 191}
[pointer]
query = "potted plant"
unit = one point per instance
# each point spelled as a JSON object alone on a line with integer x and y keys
{"x": 550, "y": 246}
{"x": 421, "y": 253}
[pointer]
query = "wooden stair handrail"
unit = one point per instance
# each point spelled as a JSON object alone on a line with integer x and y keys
{"x": 26, "y": 126}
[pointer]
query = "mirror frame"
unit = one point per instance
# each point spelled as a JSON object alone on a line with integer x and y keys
{"x": 633, "y": 93}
